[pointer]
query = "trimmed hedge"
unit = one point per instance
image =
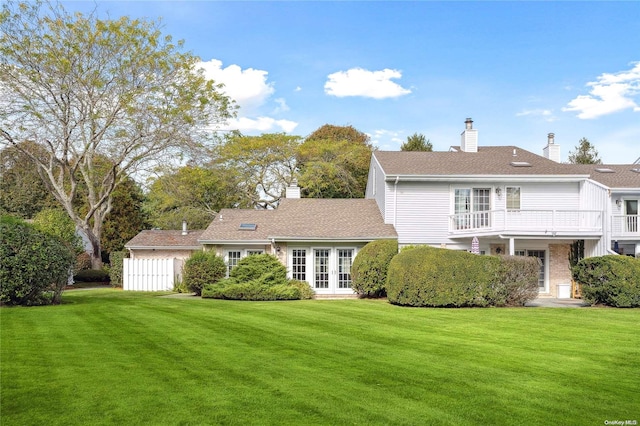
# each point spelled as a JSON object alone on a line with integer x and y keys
{"x": 91, "y": 275}
{"x": 427, "y": 276}
{"x": 610, "y": 280}
{"x": 34, "y": 266}
{"x": 258, "y": 277}
{"x": 203, "y": 268}
{"x": 116, "y": 264}
{"x": 369, "y": 269}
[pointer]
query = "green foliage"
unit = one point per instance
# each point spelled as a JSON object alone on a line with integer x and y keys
{"x": 258, "y": 277}
{"x": 22, "y": 191}
{"x": 116, "y": 261}
{"x": 334, "y": 163}
{"x": 83, "y": 261}
{"x": 56, "y": 222}
{"x": 34, "y": 266}
{"x": 263, "y": 165}
{"x": 369, "y": 269}
{"x": 193, "y": 194}
{"x": 417, "y": 142}
{"x": 427, "y": 276}
{"x": 610, "y": 280}
{"x": 126, "y": 218}
{"x": 202, "y": 268}
{"x": 92, "y": 275}
{"x": 258, "y": 266}
{"x": 584, "y": 153}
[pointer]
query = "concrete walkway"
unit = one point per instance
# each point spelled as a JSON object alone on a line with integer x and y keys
{"x": 549, "y": 302}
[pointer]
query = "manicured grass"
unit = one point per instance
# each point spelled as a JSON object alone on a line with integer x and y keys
{"x": 114, "y": 357}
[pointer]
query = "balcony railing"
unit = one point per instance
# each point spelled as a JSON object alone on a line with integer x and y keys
{"x": 625, "y": 225}
{"x": 527, "y": 222}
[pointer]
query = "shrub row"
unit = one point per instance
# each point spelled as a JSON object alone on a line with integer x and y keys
{"x": 610, "y": 280}
{"x": 427, "y": 276}
{"x": 258, "y": 277}
{"x": 91, "y": 275}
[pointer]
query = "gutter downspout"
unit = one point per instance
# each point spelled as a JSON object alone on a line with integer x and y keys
{"x": 395, "y": 200}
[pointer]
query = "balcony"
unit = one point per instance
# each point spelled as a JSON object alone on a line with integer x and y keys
{"x": 570, "y": 223}
{"x": 625, "y": 226}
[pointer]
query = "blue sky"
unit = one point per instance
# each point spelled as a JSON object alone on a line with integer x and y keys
{"x": 390, "y": 69}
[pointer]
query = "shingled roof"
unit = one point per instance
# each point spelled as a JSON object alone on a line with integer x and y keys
{"x": 156, "y": 238}
{"x": 500, "y": 161}
{"x": 302, "y": 219}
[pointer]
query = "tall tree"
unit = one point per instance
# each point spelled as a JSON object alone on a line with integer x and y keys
{"x": 82, "y": 87}
{"x": 194, "y": 194}
{"x": 417, "y": 142}
{"x": 584, "y": 153}
{"x": 333, "y": 162}
{"x": 266, "y": 164}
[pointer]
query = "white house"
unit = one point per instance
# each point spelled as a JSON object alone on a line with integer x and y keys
{"x": 514, "y": 201}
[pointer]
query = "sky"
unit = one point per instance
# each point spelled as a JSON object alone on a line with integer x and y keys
{"x": 390, "y": 69}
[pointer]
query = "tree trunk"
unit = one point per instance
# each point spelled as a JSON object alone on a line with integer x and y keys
{"x": 96, "y": 255}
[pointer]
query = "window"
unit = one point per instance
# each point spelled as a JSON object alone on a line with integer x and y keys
{"x": 345, "y": 259}
{"x": 513, "y": 198}
{"x": 299, "y": 264}
{"x": 631, "y": 212}
{"x": 540, "y": 254}
{"x": 471, "y": 207}
{"x": 252, "y": 252}
{"x": 321, "y": 268}
{"x": 233, "y": 257}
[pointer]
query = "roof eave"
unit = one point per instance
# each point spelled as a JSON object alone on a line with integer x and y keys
{"x": 484, "y": 178}
{"x": 142, "y": 247}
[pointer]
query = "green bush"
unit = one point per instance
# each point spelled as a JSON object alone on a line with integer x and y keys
{"x": 258, "y": 277}
{"x": 116, "y": 261}
{"x": 202, "y": 268}
{"x": 369, "y": 269}
{"x": 83, "y": 261}
{"x": 517, "y": 281}
{"x": 92, "y": 275}
{"x": 34, "y": 266}
{"x": 610, "y": 280}
{"x": 255, "y": 266}
{"x": 427, "y": 276}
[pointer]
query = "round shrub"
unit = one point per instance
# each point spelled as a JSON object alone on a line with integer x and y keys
{"x": 427, "y": 276}
{"x": 516, "y": 281}
{"x": 369, "y": 269}
{"x": 202, "y": 268}
{"x": 255, "y": 266}
{"x": 610, "y": 280}
{"x": 34, "y": 266}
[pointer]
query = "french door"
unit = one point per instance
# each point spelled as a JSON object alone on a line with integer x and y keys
{"x": 326, "y": 269}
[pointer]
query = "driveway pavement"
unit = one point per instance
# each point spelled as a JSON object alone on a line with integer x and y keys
{"x": 549, "y": 302}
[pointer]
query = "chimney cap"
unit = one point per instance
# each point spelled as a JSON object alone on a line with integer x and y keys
{"x": 550, "y": 138}
{"x": 468, "y": 123}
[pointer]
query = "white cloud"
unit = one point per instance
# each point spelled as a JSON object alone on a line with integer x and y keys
{"x": 282, "y": 105}
{"x": 248, "y": 87}
{"x": 262, "y": 124}
{"x": 545, "y": 114}
{"x": 390, "y": 140}
{"x": 368, "y": 84}
{"x": 610, "y": 93}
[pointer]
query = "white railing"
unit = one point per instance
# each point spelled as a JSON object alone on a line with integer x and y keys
{"x": 546, "y": 221}
{"x": 625, "y": 225}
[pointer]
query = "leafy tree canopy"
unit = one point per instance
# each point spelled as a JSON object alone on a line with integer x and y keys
{"x": 330, "y": 132}
{"x": 584, "y": 153}
{"x": 82, "y": 87}
{"x": 417, "y": 142}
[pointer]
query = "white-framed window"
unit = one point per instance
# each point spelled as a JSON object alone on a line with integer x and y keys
{"x": 299, "y": 264}
{"x": 252, "y": 252}
{"x": 513, "y": 198}
{"x": 541, "y": 255}
{"x": 631, "y": 214}
{"x": 232, "y": 257}
{"x": 345, "y": 259}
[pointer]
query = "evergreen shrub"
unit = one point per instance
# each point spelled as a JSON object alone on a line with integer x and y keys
{"x": 203, "y": 268}
{"x": 369, "y": 269}
{"x": 428, "y": 276}
{"x": 609, "y": 280}
{"x": 116, "y": 261}
{"x": 34, "y": 266}
{"x": 91, "y": 275}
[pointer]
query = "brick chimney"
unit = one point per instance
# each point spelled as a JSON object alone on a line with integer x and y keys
{"x": 551, "y": 151}
{"x": 469, "y": 142}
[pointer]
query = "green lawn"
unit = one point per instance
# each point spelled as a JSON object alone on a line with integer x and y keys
{"x": 113, "y": 357}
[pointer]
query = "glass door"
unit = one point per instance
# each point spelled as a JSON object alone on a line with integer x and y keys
{"x": 321, "y": 268}
{"x": 631, "y": 211}
{"x": 345, "y": 259}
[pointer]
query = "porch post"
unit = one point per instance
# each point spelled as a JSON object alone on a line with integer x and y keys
{"x": 512, "y": 248}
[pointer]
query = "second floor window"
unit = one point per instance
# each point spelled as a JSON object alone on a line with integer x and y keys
{"x": 513, "y": 198}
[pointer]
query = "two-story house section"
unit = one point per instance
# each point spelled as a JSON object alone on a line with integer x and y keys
{"x": 513, "y": 201}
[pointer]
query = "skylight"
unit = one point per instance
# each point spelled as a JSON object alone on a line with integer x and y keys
{"x": 248, "y": 226}
{"x": 520, "y": 164}
{"x": 637, "y": 170}
{"x": 604, "y": 170}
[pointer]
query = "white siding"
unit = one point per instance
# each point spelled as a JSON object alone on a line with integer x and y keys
{"x": 594, "y": 196}
{"x": 549, "y": 196}
{"x": 376, "y": 186}
{"x": 423, "y": 210}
